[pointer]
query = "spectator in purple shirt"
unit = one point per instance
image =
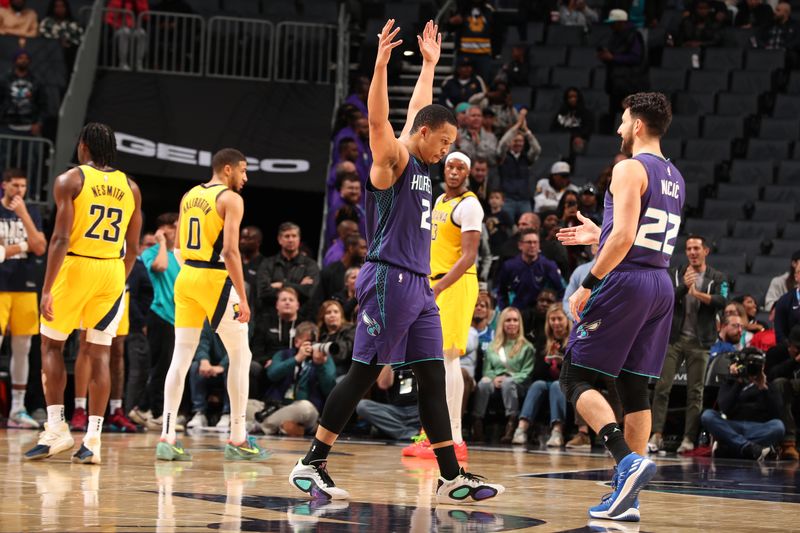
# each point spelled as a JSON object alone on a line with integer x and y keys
{"x": 359, "y": 96}
{"x": 522, "y": 278}
{"x": 347, "y": 165}
{"x": 347, "y": 205}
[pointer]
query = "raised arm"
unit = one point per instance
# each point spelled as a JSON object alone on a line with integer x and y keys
{"x": 430, "y": 44}
{"x": 387, "y": 153}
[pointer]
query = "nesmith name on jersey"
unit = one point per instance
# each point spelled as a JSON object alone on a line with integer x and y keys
{"x": 108, "y": 190}
{"x": 420, "y": 182}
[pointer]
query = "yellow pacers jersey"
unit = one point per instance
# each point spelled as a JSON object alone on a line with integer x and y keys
{"x": 446, "y": 236}
{"x": 103, "y": 209}
{"x": 201, "y": 225}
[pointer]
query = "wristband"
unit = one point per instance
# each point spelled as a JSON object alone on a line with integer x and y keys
{"x": 23, "y": 246}
{"x": 2, "y": 253}
{"x": 590, "y": 281}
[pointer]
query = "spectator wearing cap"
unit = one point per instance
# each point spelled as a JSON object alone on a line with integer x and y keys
{"x": 783, "y": 373}
{"x": 498, "y": 100}
{"x": 19, "y": 20}
{"x": 474, "y": 27}
{"x": 624, "y": 58}
{"x": 575, "y": 119}
{"x": 787, "y": 309}
{"x": 461, "y": 115}
{"x": 23, "y": 100}
{"x": 550, "y": 190}
{"x": 462, "y": 86}
{"x": 588, "y": 204}
{"x": 515, "y": 165}
{"x": 780, "y": 285}
{"x": 516, "y": 72}
{"x": 577, "y": 13}
{"x": 476, "y": 141}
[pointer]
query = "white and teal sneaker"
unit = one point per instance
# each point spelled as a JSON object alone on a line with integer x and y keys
{"x": 466, "y": 488}
{"x": 315, "y": 481}
{"x": 22, "y": 420}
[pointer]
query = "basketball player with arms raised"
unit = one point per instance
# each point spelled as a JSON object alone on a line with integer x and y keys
{"x": 398, "y": 321}
{"x": 94, "y": 244}
{"x": 210, "y": 286}
{"x": 625, "y": 303}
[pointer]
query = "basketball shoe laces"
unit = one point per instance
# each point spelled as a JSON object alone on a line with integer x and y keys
{"x": 614, "y": 483}
{"x": 475, "y": 478}
{"x": 48, "y": 437}
{"x": 322, "y": 471}
{"x": 418, "y": 439}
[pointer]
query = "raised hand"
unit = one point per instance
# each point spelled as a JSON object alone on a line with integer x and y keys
{"x": 385, "y": 44}
{"x": 430, "y": 42}
{"x": 586, "y": 233}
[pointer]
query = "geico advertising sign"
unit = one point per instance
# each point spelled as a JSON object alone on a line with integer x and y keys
{"x": 133, "y": 145}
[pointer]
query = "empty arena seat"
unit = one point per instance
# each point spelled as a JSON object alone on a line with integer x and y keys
{"x": 589, "y": 167}
{"x": 767, "y": 149}
{"x": 564, "y": 77}
{"x": 737, "y": 37}
{"x": 678, "y": 58}
{"x": 777, "y": 211}
{"x": 700, "y": 172}
{"x": 540, "y": 121}
{"x": 722, "y": 127}
{"x": 779, "y": 129}
{"x": 684, "y": 127}
{"x": 694, "y": 103}
{"x": 723, "y": 208}
{"x": 768, "y": 265}
{"x": 708, "y": 81}
{"x": 793, "y": 86}
{"x": 737, "y": 104}
{"x": 584, "y": 57}
{"x": 784, "y": 248}
{"x": 539, "y": 76}
{"x": 789, "y": 172}
{"x": 672, "y": 148}
{"x": 750, "y": 82}
{"x": 547, "y": 100}
{"x": 708, "y": 149}
{"x": 558, "y": 35}
{"x": 783, "y": 193}
{"x": 752, "y": 172}
{"x": 599, "y": 78}
{"x": 791, "y": 231}
{"x": 751, "y": 229}
{"x": 534, "y": 32}
{"x": 600, "y": 145}
{"x": 726, "y": 58}
{"x": 765, "y": 60}
{"x": 786, "y": 106}
{"x": 668, "y": 80}
{"x": 749, "y": 247}
{"x": 739, "y": 192}
{"x": 555, "y": 144}
{"x": 599, "y": 35}
{"x": 712, "y": 230}
{"x": 692, "y": 195}
{"x": 753, "y": 284}
{"x": 521, "y": 95}
{"x": 729, "y": 264}
{"x": 547, "y": 56}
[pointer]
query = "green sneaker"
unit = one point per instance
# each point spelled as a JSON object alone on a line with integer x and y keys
{"x": 249, "y": 450}
{"x": 171, "y": 452}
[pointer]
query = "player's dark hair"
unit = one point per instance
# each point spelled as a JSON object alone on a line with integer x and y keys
{"x": 344, "y": 142}
{"x": 226, "y": 156}
{"x": 287, "y": 226}
{"x": 698, "y": 238}
{"x": 654, "y": 109}
{"x": 14, "y": 173}
{"x": 346, "y": 212}
{"x": 434, "y": 116}
{"x": 101, "y": 143}
{"x": 166, "y": 219}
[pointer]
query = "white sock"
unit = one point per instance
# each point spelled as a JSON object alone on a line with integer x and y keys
{"x": 94, "y": 428}
{"x": 235, "y": 340}
{"x": 80, "y": 403}
{"x": 20, "y": 348}
{"x": 17, "y": 400}
{"x": 454, "y": 384}
{"x": 186, "y": 341}
{"x": 55, "y": 415}
{"x": 113, "y": 405}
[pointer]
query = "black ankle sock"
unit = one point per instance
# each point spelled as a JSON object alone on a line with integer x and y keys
{"x": 614, "y": 440}
{"x": 448, "y": 464}
{"x": 318, "y": 453}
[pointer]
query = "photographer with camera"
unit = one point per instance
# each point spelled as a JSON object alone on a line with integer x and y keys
{"x": 783, "y": 371}
{"x": 748, "y": 422}
{"x": 300, "y": 380}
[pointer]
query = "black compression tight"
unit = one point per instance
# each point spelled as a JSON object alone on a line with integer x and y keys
{"x": 431, "y": 395}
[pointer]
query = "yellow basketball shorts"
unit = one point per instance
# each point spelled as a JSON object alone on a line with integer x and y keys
{"x": 87, "y": 294}
{"x": 456, "y": 306}
{"x": 204, "y": 293}
{"x": 19, "y": 313}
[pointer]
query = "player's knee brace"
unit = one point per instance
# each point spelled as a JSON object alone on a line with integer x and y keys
{"x": 576, "y": 380}
{"x": 633, "y": 392}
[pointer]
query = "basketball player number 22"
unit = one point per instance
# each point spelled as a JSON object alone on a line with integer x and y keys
{"x": 659, "y": 227}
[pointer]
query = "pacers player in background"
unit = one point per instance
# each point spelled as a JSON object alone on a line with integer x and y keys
{"x": 456, "y": 220}
{"x": 94, "y": 244}
{"x": 20, "y": 236}
{"x": 210, "y": 287}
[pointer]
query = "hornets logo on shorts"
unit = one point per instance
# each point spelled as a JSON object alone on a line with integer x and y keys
{"x": 584, "y": 329}
{"x": 373, "y": 328}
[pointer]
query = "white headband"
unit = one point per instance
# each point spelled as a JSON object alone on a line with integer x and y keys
{"x": 461, "y": 157}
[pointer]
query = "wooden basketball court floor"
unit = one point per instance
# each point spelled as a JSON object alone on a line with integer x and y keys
{"x": 131, "y": 491}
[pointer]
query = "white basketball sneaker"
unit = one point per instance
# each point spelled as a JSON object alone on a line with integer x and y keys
{"x": 315, "y": 481}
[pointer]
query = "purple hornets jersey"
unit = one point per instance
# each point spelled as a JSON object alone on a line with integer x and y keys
{"x": 399, "y": 220}
{"x": 659, "y": 218}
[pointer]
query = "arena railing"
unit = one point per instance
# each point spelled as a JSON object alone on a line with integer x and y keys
{"x": 240, "y": 48}
{"x": 306, "y": 52}
{"x": 111, "y": 38}
{"x": 175, "y": 43}
{"x": 32, "y": 154}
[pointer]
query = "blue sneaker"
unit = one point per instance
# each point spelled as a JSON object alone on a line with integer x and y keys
{"x": 634, "y": 472}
